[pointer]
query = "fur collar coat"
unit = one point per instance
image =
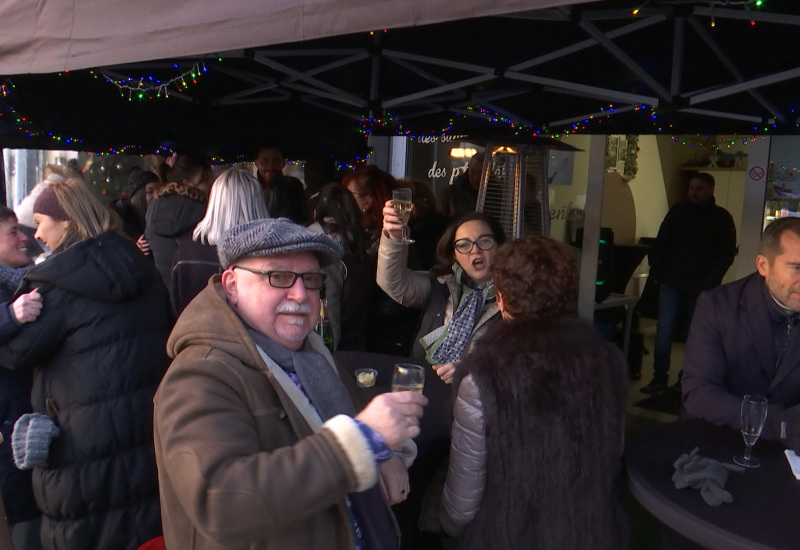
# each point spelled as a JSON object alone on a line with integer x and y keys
{"x": 546, "y": 401}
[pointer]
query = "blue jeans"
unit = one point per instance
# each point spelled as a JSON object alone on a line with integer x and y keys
{"x": 673, "y": 306}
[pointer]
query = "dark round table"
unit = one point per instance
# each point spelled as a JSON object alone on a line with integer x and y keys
{"x": 426, "y": 476}
{"x": 763, "y": 513}
{"x": 437, "y": 418}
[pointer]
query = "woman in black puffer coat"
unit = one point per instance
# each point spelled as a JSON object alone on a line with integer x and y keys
{"x": 97, "y": 353}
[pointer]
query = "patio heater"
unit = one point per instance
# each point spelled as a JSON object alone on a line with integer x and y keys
{"x": 515, "y": 183}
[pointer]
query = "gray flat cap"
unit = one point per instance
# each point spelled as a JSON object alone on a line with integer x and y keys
{"x": 274, "y": 236}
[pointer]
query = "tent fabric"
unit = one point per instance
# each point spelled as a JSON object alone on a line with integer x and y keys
{"x": 47, "y": 36}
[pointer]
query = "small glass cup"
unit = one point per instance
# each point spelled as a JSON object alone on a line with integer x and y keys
{"x": 366, "y": 377}
{"x": 408, "y": 377}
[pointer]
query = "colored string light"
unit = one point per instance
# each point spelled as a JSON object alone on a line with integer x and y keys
{"x": 147, "y": 87}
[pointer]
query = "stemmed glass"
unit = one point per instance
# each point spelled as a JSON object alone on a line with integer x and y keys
{"x": 754, "y": 414}
{"x": 408, "y": 377}
{"x": 401, "y": 200}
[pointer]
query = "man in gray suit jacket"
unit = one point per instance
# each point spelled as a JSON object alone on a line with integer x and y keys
{"x": 744, "y": 340}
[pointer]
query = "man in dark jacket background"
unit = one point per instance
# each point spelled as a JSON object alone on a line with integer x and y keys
{"x": 744, "y": 340}
{"x": 462, "y": 196}
{"x": 695, "y": 246}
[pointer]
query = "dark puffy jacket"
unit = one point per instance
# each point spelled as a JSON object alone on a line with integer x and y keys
{"x": 173, "y": 215}
{"x": 15, "y": 400}
{"x": 15, "y": 484}
{"x": 97, "y": 352}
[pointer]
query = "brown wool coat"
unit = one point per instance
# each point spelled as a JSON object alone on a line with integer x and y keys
{"x": 239, "y": 466}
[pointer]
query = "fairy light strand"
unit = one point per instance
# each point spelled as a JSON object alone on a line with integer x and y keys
{"x": 147, "y": 87}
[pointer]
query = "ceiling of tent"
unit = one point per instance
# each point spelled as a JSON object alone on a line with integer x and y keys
{"x": 676, "y": 67}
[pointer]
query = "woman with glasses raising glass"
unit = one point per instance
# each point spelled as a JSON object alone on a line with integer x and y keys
{"x": 459, "y": 305}
{"x": 457, "y": 295}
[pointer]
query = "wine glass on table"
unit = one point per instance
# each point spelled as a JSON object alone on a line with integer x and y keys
{"x": 754, "y": 414}
{"x": 401, "y": 200}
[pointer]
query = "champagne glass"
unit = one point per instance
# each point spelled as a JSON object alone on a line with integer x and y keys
{"x": 408, "y": 377}
{"x": 401, "y": 200}
{"x": 754, "y": 413}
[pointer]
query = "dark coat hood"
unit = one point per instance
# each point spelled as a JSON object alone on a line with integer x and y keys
{"x": 102, "y": 268}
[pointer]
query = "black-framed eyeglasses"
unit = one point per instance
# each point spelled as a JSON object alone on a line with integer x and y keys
{"x": 484, "y": 242}
{"x": 286, "y": 279}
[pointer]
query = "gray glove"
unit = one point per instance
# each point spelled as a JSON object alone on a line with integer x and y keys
{"x": 705, "y": 474}
{"x": 30, "y": 440}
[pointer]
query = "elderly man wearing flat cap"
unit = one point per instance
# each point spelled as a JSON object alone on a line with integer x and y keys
{"x": 258, "y": 442}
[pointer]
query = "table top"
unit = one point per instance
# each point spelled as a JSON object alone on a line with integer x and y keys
{"x": 765, "y": 499}
{"x": 436, "y": 421}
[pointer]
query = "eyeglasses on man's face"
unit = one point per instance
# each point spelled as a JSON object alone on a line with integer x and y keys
{"x": 484, "y": 242}
{"x": 286, "y": 279}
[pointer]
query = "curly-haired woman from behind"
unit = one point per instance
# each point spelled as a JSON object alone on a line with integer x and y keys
{"x": 539, "y": 418}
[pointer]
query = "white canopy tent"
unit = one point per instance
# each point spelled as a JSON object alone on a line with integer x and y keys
{"x": 47, "y": 36}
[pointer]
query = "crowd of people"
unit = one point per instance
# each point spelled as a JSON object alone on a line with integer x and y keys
{"x": 161, "y": 376}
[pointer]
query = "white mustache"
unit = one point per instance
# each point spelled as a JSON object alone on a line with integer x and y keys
{"x": 293, "y": 307}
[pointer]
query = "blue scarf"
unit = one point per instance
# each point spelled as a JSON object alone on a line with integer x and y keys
{"x": 459, "y": 330}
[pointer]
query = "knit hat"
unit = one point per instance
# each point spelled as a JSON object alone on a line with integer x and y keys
{"x": 274, "y": 236}
{"x": 137, "y": 179}
{"x": 47, "y": 204}
{"x": 30, "y": 440}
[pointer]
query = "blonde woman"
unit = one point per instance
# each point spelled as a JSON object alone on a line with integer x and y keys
{"x": 236, "y": 197}
{"x": 97, "y": 355}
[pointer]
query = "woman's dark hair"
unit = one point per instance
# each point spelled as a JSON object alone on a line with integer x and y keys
{"x": 445, "y": 250}
{"x": 423, "y": 197}
{"x": 139, "y": 203}
{"x": 536, "y": 277}
{"x": 185, "y": 168}
{"x": 337, "y": 212}
{"x": 286, "y": 199}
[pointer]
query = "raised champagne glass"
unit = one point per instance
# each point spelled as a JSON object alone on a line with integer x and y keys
{"x": 401, "y": 200}
{"x": 754, "y": 414}
{"x": 408, "y": 377}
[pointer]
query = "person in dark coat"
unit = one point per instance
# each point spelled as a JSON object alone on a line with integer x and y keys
{"x": 350, "y": 286}
{"x": 22, "y": 513}
{"x": 462, "y": 196}
{"x": 538, "y": 429}
{"x": 744, "y": 340}
{"x": 97, "y": 353}
{"x": 285, "y": 196}
{"x": 142, "y": 189}
{"x": 695, "y": 246}
{"x": 171, "y": 218}
{"x": 236, "y": 197}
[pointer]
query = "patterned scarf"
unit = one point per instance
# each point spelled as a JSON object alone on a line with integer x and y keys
{"x": 458, "y": 331}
